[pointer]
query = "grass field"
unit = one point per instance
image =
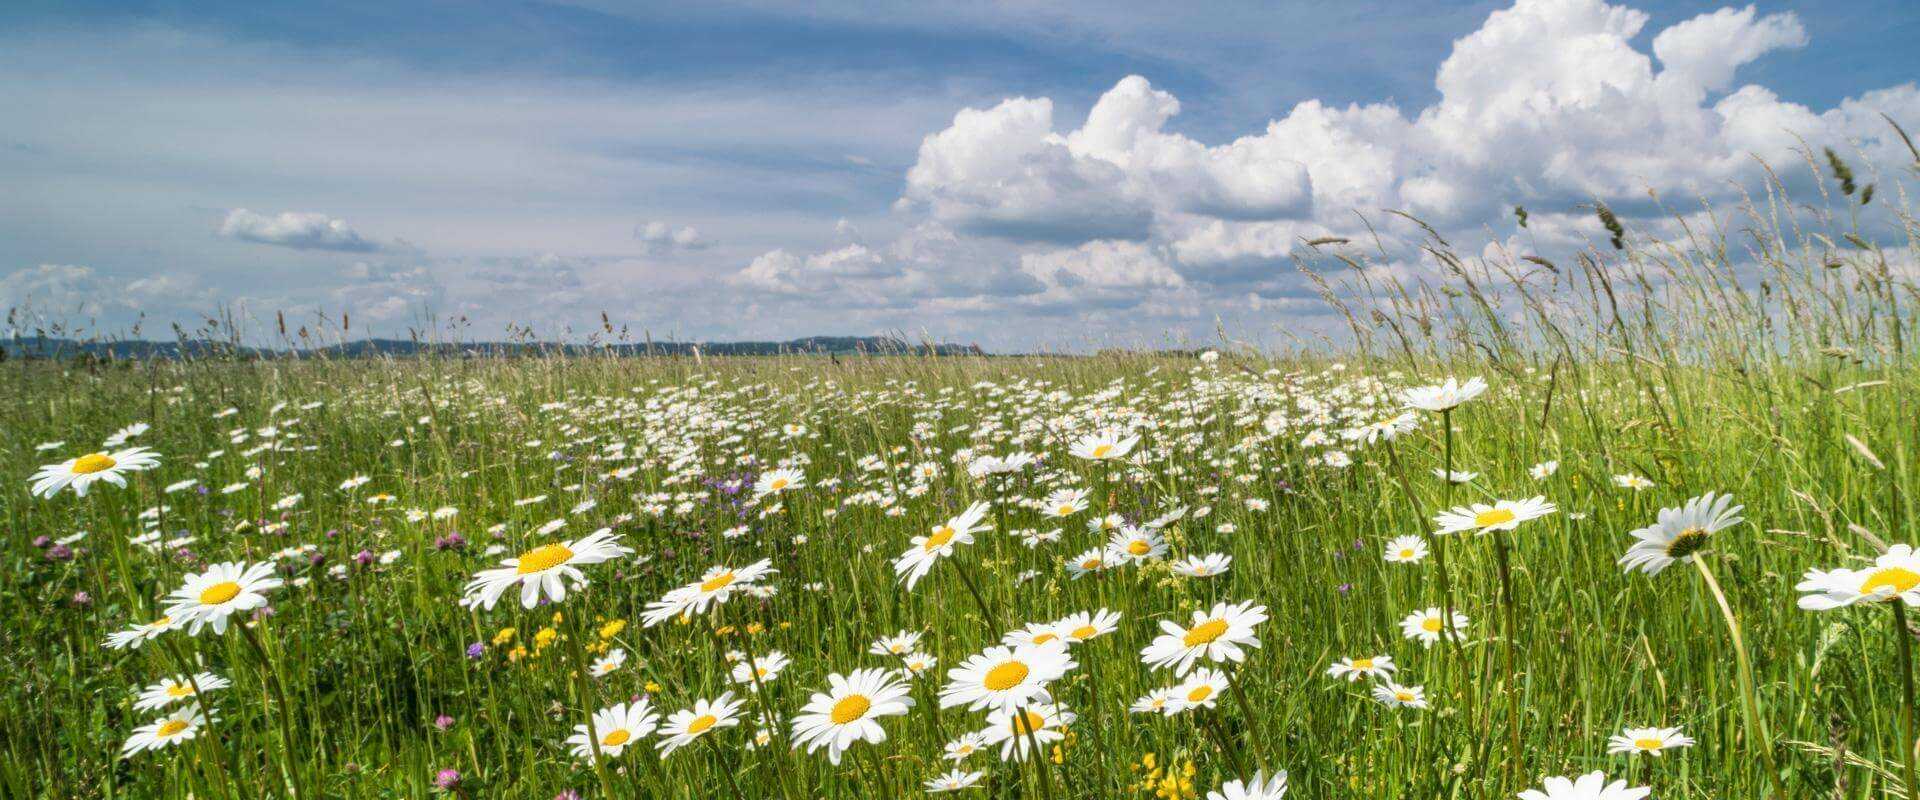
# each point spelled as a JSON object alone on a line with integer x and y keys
{"x": 1768, "y": 359}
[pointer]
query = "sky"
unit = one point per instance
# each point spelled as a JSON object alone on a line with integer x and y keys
{"x": 1017, "y": 175}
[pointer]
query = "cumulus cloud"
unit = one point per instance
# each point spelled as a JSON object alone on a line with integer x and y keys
{"x": 1549, "y": 104}
{"x": 297, "y": 230}
{"x": 661, "y": 238}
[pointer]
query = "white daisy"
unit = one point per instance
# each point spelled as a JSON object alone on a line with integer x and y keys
{"x": 716, "y": 586}
{"x": 179, "y": 726}
{"x": 1136, "y": 545}
{"x": 82, "y": 472}
{"x": 616, "y": 727}
{"x": 1397, "y": 696}
{"x": 953, "y": 781}
{"x": 913, "y": 564}
{"x": 176, "y": 688}
{"x": 1502, "y": 515}
{"x": 1260, "y": 787}
{"x": 1216, "y": 635}
{"x": 1206, "y": 566}
{"x": 1650, "y": 741}
{"x": 1591, "y": 786}
{"x": 849, "y": 711}
{"x": 706, "y": 716}
{"x": 547, "y": 569}
{"x": 1408, "y": 549}
{"x": 1201, "y": 689}
{"x": 1443, "y": 396}
{"x": 1894, "y": 575}
{"x": 1010, "y": 728}
{"x": 1103, "y": 446}
{"x": 139, "y": 633}
{"x": 208, "y": 598}
{"x": 1354, "y": 669}
{"x": 1428, "y": 624}
{"x": 1678, "y": 533}
{"x": 964, "y": 747}
{"x": 1004, "y": 677}
{"x": 609, "y": 663}
{"x": 764, "y": 669}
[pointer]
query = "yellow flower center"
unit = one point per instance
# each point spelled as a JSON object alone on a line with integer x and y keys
{"x": 1034, "y": 722}
{"x": 92, "y": 463}
{"x": 1687, "y": 542}
{"x": 1138, "y": 547}
{"x": 220, "y": 593}
{"x": 543, "y": 558}
{"x": 616, "y": 738}
{"x": 1205, "y": 632}
{"x": 1043, "y": 638}
{"x": 939, "y": 537}
{"x": 1006, "y": 676}
{"x": 1102, "y": 451}
{"x": 1648, "y": 744}
{"x": 1890, "y": 581}
{"x": 1085, "y": 632}
{"x": 700, "y": 724}
{"x": 180, "y": 690}
{"x": 717, "y": 582}
{"x": 1363, "y": 663}
{"x": 850, "y": 708}
{"x": 1430, "y": 624}
{"x": 1065, "y": 510}
{"x": 1200, "y": 693}
{"x": 1403, "y": 696}
{"x": 1492, "y": 517}
{"x": 1406, "y": 552}
{"x": 1091, "y": 563}
{"x": 778, "y": 484}
{"x": 171, "y": 727}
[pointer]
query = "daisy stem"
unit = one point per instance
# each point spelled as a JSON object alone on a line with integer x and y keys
{"x": 1514, "y": 754}
{"x": 1226, "y": 746}
{"x": 1024, "y": 722}
{"x": 589, "y": 700}
{"x": 272, "y": 679}
{"x": 726, "y": 767}
{"x": 1246, "y": 710}
{"x": 1901, "y": 633}
{"x": 1756, "y": 727}
{"x": 766, "y": 705}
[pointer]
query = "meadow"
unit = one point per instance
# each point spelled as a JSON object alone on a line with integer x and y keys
{"x": 1664, "y": 491}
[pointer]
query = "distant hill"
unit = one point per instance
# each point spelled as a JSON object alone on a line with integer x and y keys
{"x": 46, "y": 347}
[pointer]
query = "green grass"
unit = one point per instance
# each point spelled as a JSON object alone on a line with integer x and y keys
{"x": 1796, "y": 397}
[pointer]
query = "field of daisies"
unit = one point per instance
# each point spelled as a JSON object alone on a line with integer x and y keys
{"x": 1625, "y": 528}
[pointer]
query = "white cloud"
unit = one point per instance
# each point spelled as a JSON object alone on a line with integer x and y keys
{"x": 661, "y": 238}
{"x": 1548, "y": 104}
{"x": 298, "y": 230}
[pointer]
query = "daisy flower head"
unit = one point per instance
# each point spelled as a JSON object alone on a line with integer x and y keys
{"x": 1894, "y": 575}
{"x": 1216, "y": 635}
{"x": 1632, "y": 481}
{"x": 913, "y": 665}
{"x": 1259, "y": 787}
{"x": 609, "y": 663}
{"x": 1650, "y": 741}
{"x": 716, "y": 586}
{"x": 1206, "y": 566}
{"x": 1064, "y": 503}
{"x": 898, "y": 644}
{"x": 139, "y": 633}
{"x": 1409, "y": 549}
{"x": 544, "y": 570}
{"x": 1163, "y": 700}
{"x": 176, "y": 688}
{"x": 1084, "y": 626}
{"x": 1035, "y": 633}
{"x": 1679, "y": 533}
{"x": 849, "y": 711}
{"x": 1010, "y": 728}
{"x": 183, "y": 724}
{"x": 1136, "y": 545}
{"x": 1354, "y": 669}
{"x": 1201, "y": 689}
{"x": 1591, "y": 786}
{"x": 762, "y": 670}
{"x": 209, "y": 597}
{"x": 1103, "y": 446}
{"x": 1428, "y": 625}
{"x": 83, "y": 472}
{"x": 614, "y": 729}
{"x": 1443, "y": 396}
{"x": 913, "y": 564}
{"x": 1502, "y": 515}
{"x": 953, "y": 781}
{"x": 1543, "y": 470}
{"x": 1004, "y": 677}
{"x": 706, "y": 716}
{"x": 1397, "y": 696}
{"x": 964, "y": 747}
{"x": 779, "y": 480}
{"x": 1089, "y": 562}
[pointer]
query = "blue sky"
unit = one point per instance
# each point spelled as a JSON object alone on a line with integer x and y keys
{"x": 766, "y": 170}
